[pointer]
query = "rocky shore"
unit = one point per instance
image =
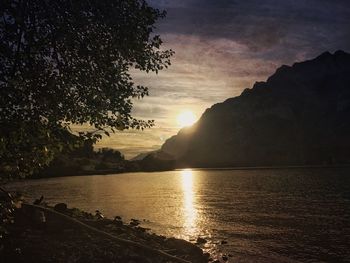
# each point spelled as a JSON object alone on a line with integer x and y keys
{"x": 42, "y": 233}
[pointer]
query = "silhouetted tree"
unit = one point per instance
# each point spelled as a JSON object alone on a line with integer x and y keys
{"x": 85, "y": 150}
{"x": 109, "y": 154}
{"x": 68, "y": 62}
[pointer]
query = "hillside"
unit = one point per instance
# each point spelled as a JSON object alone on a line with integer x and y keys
{"x": 299, "y": 116}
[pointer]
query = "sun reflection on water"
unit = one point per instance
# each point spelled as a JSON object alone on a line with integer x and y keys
{"x": 190, "y": 213}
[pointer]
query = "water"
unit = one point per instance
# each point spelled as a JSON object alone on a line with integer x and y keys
{"x": 297, "y": 215}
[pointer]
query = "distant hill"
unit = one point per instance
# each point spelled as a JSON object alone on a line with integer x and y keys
{"x": 299, "y": 116}
{"x": 141, "y": 156}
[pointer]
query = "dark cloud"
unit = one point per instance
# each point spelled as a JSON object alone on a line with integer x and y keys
{"x": 261, "y": 24}
{"x": 223, "y": 47}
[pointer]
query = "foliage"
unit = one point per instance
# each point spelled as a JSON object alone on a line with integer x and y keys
{"x": 28, "y": 146}
{"x": 110, "y": 155}
{"x": 7, "y": 208}
{"x": 68, "y": 62}
{"x": 85, "y": 160}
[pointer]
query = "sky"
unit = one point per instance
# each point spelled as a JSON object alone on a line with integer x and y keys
{"x": 223, "y": 47}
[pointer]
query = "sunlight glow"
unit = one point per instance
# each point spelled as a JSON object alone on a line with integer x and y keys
{"x": 186, "y": 118}
{"x": 190, "y": 213}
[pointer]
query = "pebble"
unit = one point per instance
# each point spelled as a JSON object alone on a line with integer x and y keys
{"x": 99, "y": 215}
{"x": 201, "y": 240}
{"x": 60, "y": 207}
{"x": 134, "y": 222}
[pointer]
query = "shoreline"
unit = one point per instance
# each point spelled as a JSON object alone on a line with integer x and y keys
{"x": 113, "y": 172}
{"x": 50, "y": 234}
{"x": 268, "y": 167}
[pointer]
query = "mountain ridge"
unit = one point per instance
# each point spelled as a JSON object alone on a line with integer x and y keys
{"x": 299, "y": 116}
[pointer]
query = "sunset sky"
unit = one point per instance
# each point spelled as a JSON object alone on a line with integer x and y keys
{"x": 223, "y": 47}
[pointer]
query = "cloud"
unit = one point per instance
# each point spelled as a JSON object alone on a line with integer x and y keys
{"x": 258, "y": 24}
{"x": 223, "y": 47}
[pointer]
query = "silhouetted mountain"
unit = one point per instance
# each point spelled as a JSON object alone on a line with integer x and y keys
{"x": 157, "y": 161}
{"x": 299, "y": 116}
{"x": 141, "y": 156}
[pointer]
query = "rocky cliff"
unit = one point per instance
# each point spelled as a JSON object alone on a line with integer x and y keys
{"x": 299, "y": 116}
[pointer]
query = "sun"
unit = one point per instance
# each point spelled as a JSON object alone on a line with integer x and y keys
{"x": 186, "y": 118}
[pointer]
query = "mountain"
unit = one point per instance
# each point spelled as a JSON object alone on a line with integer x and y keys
{"x": 299, "y": 116}
{"x": 141, "y": 156}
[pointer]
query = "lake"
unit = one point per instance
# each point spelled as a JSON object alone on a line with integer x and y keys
{"x": 267, "y": 215}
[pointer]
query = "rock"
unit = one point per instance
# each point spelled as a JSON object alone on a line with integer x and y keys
{"x": 38, "y": 201}
{"x": 134, "y": 222}
{"x": 141, "y": 229}
{"x": 118, "y": 223}
{"x": 99, "y": 215}
{"x": 60, "y": 207}
{"x": 79, "y": 242}
{"x": 224, "y": 258}
{"x": 184, "y": 246}
{"x": 223, "y": 242}
{"x": 201, "y": 240}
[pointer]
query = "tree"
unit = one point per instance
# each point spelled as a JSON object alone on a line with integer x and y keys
{"x": 68, "y": 62}
{"x": 111, "y": 155}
